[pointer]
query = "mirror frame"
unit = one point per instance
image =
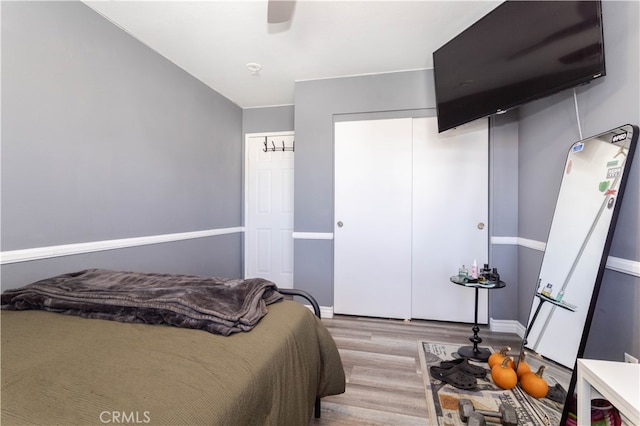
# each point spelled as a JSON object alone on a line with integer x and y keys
{"x": 628, "y": 128}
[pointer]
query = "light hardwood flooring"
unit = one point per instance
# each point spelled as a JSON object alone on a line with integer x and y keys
{"x": 382, "y": 368}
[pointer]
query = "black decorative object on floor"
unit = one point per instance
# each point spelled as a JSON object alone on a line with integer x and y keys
{"x": 466, "y": 366}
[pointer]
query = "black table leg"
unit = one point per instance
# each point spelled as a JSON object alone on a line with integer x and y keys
{"x": 533, "y": 319}
{"x": 474, "y": 352}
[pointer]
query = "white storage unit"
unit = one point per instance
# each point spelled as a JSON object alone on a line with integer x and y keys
{"x": 617, "y": 382}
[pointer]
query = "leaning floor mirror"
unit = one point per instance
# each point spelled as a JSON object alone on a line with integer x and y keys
{"x": 575, "y": 256}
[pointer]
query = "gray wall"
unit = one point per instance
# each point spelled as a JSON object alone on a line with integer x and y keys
{"x": 503, "y": 212}
{"x": 102, "y": 138}
{"x": 268, "y": 119}
{"x": 546, "y": 130}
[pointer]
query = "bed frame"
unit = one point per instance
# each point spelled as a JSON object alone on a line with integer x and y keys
{"x": 316, "y": 310}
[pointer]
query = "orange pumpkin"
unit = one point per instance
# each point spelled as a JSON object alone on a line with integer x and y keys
{"x": 534, "y": 384}
{"x": 498, "y": 357}
{"x": 503, "y": 375}
{"x": 523, "y": 367}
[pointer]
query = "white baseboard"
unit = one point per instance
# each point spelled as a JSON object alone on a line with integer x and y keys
{"x": 507, "y": 326}
{"x": 325, "y": 311}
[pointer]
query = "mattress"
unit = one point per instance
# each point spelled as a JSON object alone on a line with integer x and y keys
{"x": 61, "y": 369}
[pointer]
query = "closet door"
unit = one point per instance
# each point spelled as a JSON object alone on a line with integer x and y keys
{"x": 450, "y": 213}
{"x": 372, "y": 230}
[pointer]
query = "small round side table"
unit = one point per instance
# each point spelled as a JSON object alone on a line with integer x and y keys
{"x": 474, "y": 352}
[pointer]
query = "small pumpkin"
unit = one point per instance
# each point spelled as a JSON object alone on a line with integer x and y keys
{"x": 523, "y": 366}
{"x": 534, "y": 384}
{"x": 498, "y": 357}
{"x": 503, "y": 375}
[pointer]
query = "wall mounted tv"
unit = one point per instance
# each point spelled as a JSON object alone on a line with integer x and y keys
{"x": 519, "y": 52}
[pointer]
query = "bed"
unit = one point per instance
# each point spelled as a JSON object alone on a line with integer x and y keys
{"x": 61, "y": 368}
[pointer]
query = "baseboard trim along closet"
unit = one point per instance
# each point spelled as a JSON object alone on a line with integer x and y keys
{"x": 25, "y": 255}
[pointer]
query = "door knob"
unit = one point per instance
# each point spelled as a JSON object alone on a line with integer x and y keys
{"x": 340, "y": 224}
{"x": 480, "y": 225}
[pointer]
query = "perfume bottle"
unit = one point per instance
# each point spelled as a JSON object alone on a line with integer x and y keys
{"x": 495, "y": 277}
{"x": 547, "y": 290}
{"x": 559, "y": 296}
{"x": 486, "y": 272}
{"x": 463, "y": 272}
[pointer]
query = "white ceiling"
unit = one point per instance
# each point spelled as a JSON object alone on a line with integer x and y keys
{"x": 215, "y": 40}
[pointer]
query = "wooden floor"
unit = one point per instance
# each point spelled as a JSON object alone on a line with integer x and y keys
{"x": 382, "y": 368}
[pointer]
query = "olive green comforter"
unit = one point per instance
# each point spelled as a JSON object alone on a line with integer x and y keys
{"x": 61, "y": 369}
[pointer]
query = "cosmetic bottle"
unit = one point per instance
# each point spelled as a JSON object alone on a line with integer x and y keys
{"x": 474, "y": 269}
{"x": 486, "y": 272}
{"x": 463, "y": 272}
{"x": 495, "y": 277}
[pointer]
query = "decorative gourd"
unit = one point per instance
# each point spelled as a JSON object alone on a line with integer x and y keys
{"x": 503, "y": 375}
{"x": 523, "y": 367}
{"x": 534, "y": 384}
{"x": 498, "y": 357}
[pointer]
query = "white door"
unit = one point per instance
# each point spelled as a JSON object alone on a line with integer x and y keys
{"x": 269, "y": 208}
{"x": 450, "y": 205}
{"x": 372, "y": 230}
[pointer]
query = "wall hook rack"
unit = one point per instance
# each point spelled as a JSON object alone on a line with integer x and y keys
{"x": 273, "y": 148}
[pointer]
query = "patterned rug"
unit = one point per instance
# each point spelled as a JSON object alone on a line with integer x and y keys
{"x": 442, "y": 398}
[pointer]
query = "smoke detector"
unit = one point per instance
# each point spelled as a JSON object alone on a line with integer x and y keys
{"x": 254, "y": 68}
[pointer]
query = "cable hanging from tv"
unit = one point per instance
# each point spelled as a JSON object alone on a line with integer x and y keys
{"x": 279, "y": 147}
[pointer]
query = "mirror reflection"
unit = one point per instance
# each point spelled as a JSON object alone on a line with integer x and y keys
{"x": 576, "y": 253}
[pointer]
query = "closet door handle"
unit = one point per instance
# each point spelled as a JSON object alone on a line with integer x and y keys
{"x": 340, "y": 224}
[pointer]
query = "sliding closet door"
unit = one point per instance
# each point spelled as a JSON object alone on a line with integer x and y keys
{"x": 372, "y": 230}
{"x": 450, "y": 213}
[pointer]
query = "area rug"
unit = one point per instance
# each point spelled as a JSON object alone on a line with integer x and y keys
{"x": 442, "y": 398}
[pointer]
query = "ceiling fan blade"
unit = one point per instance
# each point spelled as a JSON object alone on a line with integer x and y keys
{"x": 279, "y": 11}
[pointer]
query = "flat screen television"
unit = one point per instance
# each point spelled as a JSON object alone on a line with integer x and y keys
{"x": 519, "y": 52}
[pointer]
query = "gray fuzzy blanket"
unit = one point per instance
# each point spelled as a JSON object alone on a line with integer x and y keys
{"x": 217, "y": 305}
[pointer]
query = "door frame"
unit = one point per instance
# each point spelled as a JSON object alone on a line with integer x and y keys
{"x": 245, "y": 188}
